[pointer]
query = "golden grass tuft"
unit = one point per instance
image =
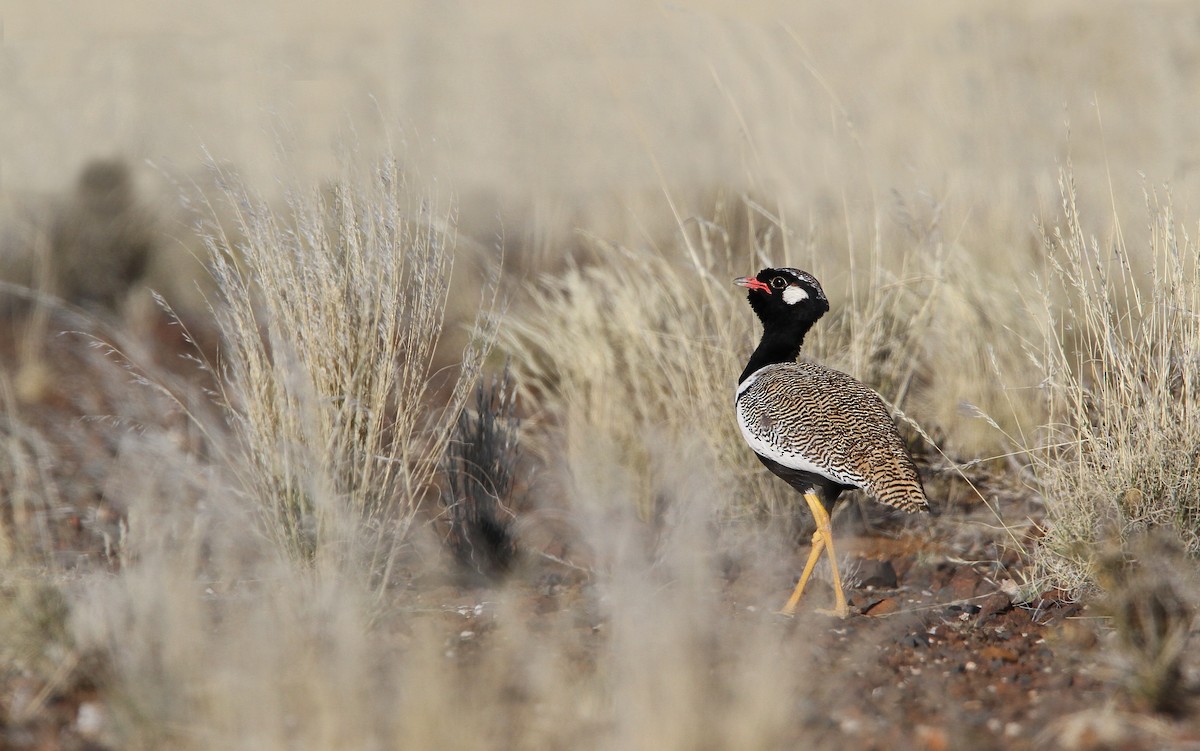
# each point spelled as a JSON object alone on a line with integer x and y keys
{"x": 27, "y": 462}
{"x": 1117, "y": 354}
{"x": 638, "y": 352}
{"x": 330, "y": 315}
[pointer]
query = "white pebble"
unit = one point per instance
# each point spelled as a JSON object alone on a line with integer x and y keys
{"x": 90, "y": 719}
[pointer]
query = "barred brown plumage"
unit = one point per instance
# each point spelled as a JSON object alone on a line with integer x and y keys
{"x": 819, "y": 429}
{"x": 803, "y": 411}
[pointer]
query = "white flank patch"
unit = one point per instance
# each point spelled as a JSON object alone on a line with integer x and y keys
{"x": 794, "y": 294}
{"x": 789, "y": 460}
{"x": 750, "y": 379}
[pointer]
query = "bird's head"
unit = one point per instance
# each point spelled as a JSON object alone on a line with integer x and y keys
{"x": 785, "y": 295}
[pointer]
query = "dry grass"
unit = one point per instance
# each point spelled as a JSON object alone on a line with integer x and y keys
{"x": 634, "y": 354}
{"x": 330, "y": 316}
{"x": 27, "y": 476}
{"x": 212, "y": 642}
{"x": 640, "y": 349}
{"x": 1117, "y": 354}
{"x": 1147, "y": 584}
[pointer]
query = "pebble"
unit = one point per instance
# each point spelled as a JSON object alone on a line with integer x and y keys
{"x": 992, "y": 652}
{"x": 995, "y": 603}
{"x": 886, "y": 606}
{"x": 89, "y": 721}
{"x": 878, "y": 574}
{"x": 963, "y": 584}
{"x": 913, "y": 641}
{"x": 931, "y": 738}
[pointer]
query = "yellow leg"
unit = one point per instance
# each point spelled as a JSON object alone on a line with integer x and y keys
{"x": 818, "y": 544}
{"x": 822, "y": 541}
{"x": 840, "y": 608}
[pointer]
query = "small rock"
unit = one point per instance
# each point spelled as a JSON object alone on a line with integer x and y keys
{"x": 878, "y": 574}
{"x": 931, "y": 738}
{"x": 89, "y": 721}
{"x": 552, "y": 586}
{"x": 1053, "y": 597}
{"x": 914, "y": 640}
{"x": 992, "y": 652}
{"x": 963, "y": 611}
{"x": 886, "y": 606}
{"x": 851, "y": 720}
{"x": 1077, "y": 634}
{"x": 1093, "y": 729}
{"x": 962, "y": 585}
{"x": 902, "y": 565}
{"x": 997, "y": 602}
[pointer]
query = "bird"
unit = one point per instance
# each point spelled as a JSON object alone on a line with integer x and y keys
{"x": 819, "y": 429}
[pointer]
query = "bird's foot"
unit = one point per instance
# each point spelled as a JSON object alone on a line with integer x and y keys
{"x": 842, "y": 612}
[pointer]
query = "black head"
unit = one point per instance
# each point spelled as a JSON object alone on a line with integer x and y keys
{"x": 788, "y": 302}
{"x": 783, "y": 295}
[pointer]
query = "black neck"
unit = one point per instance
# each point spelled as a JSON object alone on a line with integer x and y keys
{"x": 780, "y": 343}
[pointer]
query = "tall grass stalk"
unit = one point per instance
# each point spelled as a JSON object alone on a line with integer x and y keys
{"x": 637, "y": 352}
{"x": 1121, "y": 333}
{"x": 27, "y": 484}
{"x": 331, "y": 311}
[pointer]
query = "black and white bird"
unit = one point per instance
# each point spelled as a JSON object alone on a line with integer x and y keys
{"x": 817, "y": 428}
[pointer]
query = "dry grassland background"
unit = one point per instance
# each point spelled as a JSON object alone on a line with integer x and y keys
{"x": 363, "y": 214}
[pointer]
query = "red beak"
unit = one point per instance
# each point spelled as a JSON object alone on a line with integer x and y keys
{"x": 750, "y": 282}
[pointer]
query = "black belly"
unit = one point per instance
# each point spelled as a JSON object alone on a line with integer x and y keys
{"x": 827, "y": 489}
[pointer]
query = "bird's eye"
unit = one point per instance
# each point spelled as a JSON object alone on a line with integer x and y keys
{"x": 779, "y": 282}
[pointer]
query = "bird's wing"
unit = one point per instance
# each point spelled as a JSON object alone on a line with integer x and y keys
{"x": 815, "y": 419}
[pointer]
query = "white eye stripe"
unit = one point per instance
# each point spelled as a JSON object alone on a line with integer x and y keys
{"x": 794, "y": 294}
